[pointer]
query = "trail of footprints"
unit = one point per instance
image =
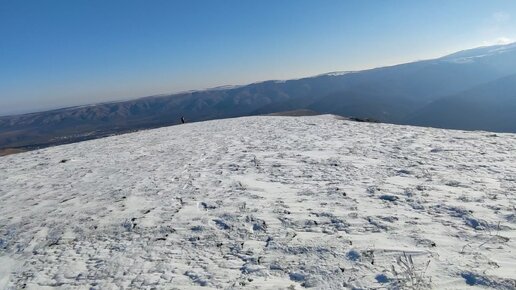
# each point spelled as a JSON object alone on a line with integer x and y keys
{"x": 229, "y": 211}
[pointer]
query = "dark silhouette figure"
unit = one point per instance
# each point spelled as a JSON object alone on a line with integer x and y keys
{"x": 182, "y": 120}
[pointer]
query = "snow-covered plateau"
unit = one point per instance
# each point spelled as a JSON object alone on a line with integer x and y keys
{"x": 263, "y": 203}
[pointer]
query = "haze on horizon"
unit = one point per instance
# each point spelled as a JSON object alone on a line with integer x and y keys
{"x": 59, "y": 53}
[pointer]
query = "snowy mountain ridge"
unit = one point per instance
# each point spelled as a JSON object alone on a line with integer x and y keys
{"x": 480, "y": 52}
{"x": 263, "y": 203}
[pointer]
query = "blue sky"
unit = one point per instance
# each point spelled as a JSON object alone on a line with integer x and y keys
{"x": 56, "y": 53}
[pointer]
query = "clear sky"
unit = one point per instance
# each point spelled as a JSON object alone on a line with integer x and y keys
{"x": 56, "y": 53}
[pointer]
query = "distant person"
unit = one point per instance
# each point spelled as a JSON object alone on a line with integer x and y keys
{"x": 182, "y": 120}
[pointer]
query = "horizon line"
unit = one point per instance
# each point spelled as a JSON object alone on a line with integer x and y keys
{"x": 235, "y": 86}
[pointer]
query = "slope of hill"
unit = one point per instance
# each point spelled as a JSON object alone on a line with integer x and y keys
{"x": 263, "y": 203}
{"x": 487, "y": 107}
{"x": 390, "y": 94}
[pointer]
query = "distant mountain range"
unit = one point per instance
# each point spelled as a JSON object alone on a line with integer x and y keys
{"x": 473, "y": 90}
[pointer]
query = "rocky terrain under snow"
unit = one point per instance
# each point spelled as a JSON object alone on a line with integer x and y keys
{"x": 263, "y": 203}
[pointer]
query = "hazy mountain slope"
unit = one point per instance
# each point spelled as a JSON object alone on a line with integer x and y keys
{"x": 263, "y": 203}
{"x": 389, "y": 94}
{"x": 365, "y": 104}
{"x": 488, "y": 107}
{"x": 392, "y": 94}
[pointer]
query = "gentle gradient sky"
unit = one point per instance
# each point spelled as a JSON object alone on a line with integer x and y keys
{"x": 56, "y": 53}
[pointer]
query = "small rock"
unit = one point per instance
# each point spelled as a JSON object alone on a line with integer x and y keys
{"x": 388, "y": 197}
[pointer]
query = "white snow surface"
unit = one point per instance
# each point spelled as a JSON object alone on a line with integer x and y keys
{"x": 263, "y": 203}
{"x": 472, "y": 55}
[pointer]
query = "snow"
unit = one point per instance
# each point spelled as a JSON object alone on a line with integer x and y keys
{"x": 337, "y": 73}
{"x": 263, "y": 203}
{"x": 472, "y": 55}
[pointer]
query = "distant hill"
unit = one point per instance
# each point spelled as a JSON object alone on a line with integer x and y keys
{"x": 404, "y": 94}
{"x": 491, "y": 106}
